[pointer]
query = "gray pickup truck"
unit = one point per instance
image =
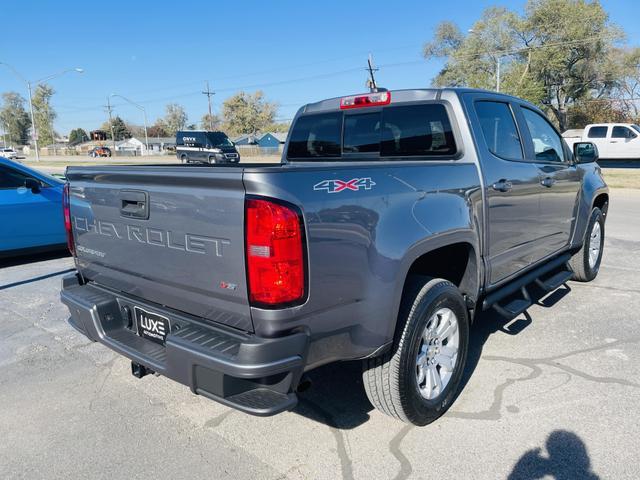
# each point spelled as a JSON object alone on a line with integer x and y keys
{"x": 392, "y": 219}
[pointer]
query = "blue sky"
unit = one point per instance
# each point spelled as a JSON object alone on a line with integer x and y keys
{"x": 295, "y": 51}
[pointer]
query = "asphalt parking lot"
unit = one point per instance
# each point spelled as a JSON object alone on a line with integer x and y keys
{"x": 555, "y": 392}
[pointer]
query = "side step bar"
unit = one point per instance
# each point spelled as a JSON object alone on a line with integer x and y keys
{"x": 519, "y": 305}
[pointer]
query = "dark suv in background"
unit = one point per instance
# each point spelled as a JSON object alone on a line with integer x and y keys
{"x": 206, "y": 147}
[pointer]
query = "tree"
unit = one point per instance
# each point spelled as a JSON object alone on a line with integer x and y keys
{"x": 210, "y": 122}
{"x": 135, "y": 130}
{"x": 158, "y": 129}
{"x": 77, "y": 135}
{"x": 44, "y": 114}
{"x": 248, "y": 113}
{"x": 624, "y": 65}
{"x": 14, "y": 118}
{"x": 175, "y": 118}
{"x": 117, "y": 129}
{"x": 545, "y": 55}
{"x": 281, "y": 127}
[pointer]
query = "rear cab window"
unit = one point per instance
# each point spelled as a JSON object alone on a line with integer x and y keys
{"x": 396, "y": 131}
{"x": 597, "y": 132}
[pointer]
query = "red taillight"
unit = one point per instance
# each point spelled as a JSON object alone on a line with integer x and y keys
{"x": 66, "y": 208}
{"x": 275, "y": 256}
{"x": 366, "y": 100}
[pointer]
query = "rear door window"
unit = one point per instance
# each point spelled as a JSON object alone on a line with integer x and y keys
{"x": 597, "y": 132}
{"x": 499, "y": 129}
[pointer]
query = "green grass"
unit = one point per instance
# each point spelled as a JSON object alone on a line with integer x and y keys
{"x": 622, "y": 177}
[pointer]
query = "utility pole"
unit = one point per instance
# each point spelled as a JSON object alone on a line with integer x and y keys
{"x": 373, "y": 87}
{"x": 209, "y": 94}
{"x": 498, "y": 61}
{"x": 109, "y": 109}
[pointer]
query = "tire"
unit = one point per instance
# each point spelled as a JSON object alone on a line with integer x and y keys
{"x": 211, "y": 159}
{"x": 585, "y": 263}
{"x": 184, "y": 158}
{"x": 392, "y": 381}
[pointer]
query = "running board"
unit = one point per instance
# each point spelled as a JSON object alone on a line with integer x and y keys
{"x": 514, "y": 307}
{"x": 551, "y": 283}
{"x": 521, "y": 282}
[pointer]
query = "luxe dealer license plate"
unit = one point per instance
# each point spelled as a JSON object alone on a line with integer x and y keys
{"x": 151, "y": 325}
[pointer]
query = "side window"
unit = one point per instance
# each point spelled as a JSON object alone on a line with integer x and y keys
{"x": 547, "y": 144}
{"x": 499, "y": 129}
{"x": 622, "y": 132}
{"x": 11, "y": 179}
{"x": 597, "y": 132}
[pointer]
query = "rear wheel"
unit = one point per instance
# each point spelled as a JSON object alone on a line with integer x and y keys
{"x": 184, "y": 158}
{"x": 585, "y": 263}
{"x": 212, "y": 159}
{"x": 418, "y": 379}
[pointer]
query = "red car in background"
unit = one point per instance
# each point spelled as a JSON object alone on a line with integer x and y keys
{"x": 100, "y": 152}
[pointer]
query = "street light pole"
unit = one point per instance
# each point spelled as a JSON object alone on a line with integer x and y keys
{"x": 34, "y": 133}
{"x": 30, "y": 85}
{"x": 144, "y": 114}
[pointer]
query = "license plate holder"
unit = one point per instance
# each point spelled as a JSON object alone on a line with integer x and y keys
{"x": 151, "y": 325}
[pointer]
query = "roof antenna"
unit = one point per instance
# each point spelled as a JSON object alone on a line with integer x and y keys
{"x": 371, "y": 81}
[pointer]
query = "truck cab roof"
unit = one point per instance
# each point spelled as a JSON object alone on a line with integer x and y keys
{"x": 406, "y": 95}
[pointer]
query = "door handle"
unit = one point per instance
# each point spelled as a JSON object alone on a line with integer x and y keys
{"x": 502, "y": 185}
{"x": 134, "y": 204}
{"x": 547, "y": 182}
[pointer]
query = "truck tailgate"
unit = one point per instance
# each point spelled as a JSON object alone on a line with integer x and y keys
{"x": 166, "y": 234}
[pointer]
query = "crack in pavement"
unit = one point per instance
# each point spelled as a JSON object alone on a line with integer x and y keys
{"x": 394, "y": 447}
{"x": 493, "y": 412}
{"x": 346, "y": 464}
{"x": 96, "y": 395}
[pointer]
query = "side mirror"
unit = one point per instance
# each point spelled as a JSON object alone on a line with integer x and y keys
{"x": 585, "y": 152}
{"x": 33, "y": 185}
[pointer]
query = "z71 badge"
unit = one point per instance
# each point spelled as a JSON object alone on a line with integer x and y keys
{"x": 336, "y": 186}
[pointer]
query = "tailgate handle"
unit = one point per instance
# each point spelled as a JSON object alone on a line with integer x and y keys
{"x": 134, "y": 204}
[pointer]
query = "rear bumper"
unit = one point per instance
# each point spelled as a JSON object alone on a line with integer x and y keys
{"x": 252, "y": 374}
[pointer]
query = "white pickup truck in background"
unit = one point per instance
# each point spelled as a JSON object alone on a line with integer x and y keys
{"x": 614, "y": 140}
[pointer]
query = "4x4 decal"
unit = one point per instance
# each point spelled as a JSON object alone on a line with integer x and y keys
{"x": 336, "y": 186}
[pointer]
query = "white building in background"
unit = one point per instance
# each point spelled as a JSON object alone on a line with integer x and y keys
{"x": 136, "y": 146}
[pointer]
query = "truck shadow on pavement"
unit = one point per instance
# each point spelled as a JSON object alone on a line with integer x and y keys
{"x": 566, "y": 458}
{"x": 337, "y": 397}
